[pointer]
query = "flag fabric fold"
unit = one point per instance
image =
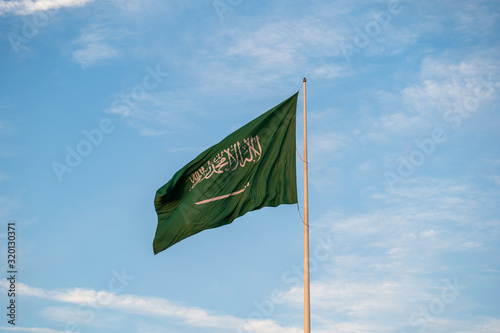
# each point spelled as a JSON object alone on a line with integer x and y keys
{"x": 252, "y": 168}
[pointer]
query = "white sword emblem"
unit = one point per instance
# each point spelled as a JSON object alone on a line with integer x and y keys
{"x": 223, "y": 196}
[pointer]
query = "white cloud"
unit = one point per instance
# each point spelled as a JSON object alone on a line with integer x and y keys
{"x": 325, "y": 144}
{"x": 346, "y": 303}
{"x": 475, "y": 20}
{"x": 272, "y": 53}
{"x": 94, "y": 52}
{"x": 92, "y": 300}
{"x": 94, "y": 46}
{"x": 286, "y": 44}
{"x": 159, "y": 112}
{"x": 391, "y": 261}
{"x": 27, "y": 7}
{"x": 486, "y": 325}
{"x": 82, "y": 316}
{"x": 328, "y": 71}
{"x": 447, "y": 83}
{"x": 352, "y": 298}
{"x": 429, "y": 233}
{"x": 395, "y": 124}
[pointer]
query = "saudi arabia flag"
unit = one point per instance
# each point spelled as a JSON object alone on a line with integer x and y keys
{"x": 251, "y": 168}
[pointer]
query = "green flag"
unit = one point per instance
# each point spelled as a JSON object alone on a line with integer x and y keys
{"x": 251, "y": 168}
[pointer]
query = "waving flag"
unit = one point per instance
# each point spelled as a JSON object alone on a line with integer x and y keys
{"x": 251, "y": 168}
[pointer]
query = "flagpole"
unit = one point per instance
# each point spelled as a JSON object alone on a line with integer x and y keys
{"x": 307, "y": 298}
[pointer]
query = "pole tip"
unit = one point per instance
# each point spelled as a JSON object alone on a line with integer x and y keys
{"x": 304, "y": 80}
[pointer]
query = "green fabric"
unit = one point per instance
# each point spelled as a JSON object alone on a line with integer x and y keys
{"x": 251, "y": 168}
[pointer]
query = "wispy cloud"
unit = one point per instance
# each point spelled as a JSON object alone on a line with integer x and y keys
{"x": 141, "y": 305}
{"x": 286, "y": 44}
{"x": 445, "y": 83}
{"x": 487, "y": 325}
{"x": 273, "y": 52}
{"x": 393, "y": 260}
{"x": 324, "y": 144}
{"x": 351, "y": 306}
{"x": 82, "y": 316}
{"x": 160, "y": 112}
{"x": 27, "y": 7}
{"x": 95, "y": 46}
{"x": 476, "y": 20}
{"x": 448, "y": 78}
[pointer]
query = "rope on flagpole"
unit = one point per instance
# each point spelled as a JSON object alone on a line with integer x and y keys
{"x": 298, "y": 208}
{"x": 300, "y": 156}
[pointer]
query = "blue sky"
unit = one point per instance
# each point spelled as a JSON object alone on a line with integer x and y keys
{"x": 101, "y": 102}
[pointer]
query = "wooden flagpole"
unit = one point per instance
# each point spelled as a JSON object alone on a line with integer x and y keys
{"x": 307, "y": 298}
